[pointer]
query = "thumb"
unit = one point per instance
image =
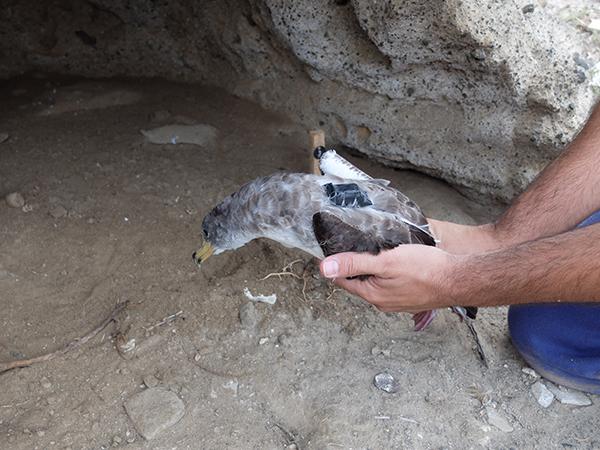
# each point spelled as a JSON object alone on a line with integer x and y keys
{"x": 344, "y": 265}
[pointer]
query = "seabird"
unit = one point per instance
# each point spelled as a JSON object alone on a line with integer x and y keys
{"x": 342, "y": 210}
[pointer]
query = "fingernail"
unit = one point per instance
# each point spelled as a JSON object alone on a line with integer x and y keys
{"x": 330, "y": 268}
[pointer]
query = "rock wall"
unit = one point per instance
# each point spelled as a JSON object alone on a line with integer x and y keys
{"x": 482, "y": 93}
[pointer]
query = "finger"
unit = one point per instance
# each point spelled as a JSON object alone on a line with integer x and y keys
{"x": 362, "y": 288}
{"x": 345, "y": 265}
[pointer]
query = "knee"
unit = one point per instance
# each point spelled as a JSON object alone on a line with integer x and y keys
{"x": 552, "y": 339}
{"x": 526, "y": 330}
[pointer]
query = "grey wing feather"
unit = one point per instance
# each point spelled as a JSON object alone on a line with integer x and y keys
{"x": 395, "y": 202}
{"x": 388, "y": 199}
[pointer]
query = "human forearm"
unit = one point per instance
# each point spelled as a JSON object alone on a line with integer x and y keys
{"x": 414, "y": 278}
{"x": 560, "y": 268}
{"x": 563, "y": 195}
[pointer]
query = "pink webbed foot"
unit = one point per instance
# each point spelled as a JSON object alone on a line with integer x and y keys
{"x": 423, "y": 319}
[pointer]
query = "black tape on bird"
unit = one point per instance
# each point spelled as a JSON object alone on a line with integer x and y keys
{"x": 347, "y": 195}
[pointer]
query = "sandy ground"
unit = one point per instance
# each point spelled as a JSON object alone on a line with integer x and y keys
{"x": 110, "y": 217}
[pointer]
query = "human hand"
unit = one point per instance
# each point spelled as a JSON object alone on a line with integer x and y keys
{"x": 408, "y": 278}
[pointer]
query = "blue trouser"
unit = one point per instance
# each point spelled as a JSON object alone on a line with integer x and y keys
{"x": 560, "y": 341}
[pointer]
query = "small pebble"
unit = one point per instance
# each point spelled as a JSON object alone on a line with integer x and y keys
{"x": 498, "y": 420}
{"x": 528, "y": 9}
{"x": 130, "y": 437}
{"x": 542, "y": 394}
{"x": 150, "y": 381}
{"x": 569, "y": 397}
{"x": 15, "y": 200}
{"x": 580, "y": 61}
{"x": 376, "y": 351}
{"x": 263, "y": 340}
{"x": 125, "y": 346}
{"x": 58, "y": 211}
{"x": 41, "y": 433}
{"x": 3, "y": 137}
{"x": 283, "y": 339}
{"x": 117, "y": 440}
{"x": 45, "y": 383}
{"x": 154, "y": 410}
{"x": 479, "y": 54}
{"x": 386, "y": 382}
{"x": 233, "y": 386}
{"x": 529, "y": 371}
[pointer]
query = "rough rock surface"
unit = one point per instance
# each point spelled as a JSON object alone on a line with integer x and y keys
{"x": 480, "y": 93}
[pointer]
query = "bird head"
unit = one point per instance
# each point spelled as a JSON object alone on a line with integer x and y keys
{"x": 221, "y": 230}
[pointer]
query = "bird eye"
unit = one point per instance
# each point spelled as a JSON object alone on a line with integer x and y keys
{"x": 205, "y": 231}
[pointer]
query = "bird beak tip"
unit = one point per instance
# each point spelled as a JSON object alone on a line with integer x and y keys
{"x": 196, "y": 260}
{"x": 203, "y": 254}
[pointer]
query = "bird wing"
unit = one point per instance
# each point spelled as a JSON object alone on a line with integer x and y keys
{"x": 363, "y": 229}
{"x": 379, "y": 214}
{"x": 389, "y": 199}
{"x": 366, "y": 216}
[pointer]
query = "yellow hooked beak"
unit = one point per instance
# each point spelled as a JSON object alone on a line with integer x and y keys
{"x": 203, "y": 254}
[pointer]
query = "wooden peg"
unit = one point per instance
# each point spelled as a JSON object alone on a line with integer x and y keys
{"x": 316, "y": 138}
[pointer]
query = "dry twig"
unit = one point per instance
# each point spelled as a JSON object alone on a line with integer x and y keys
{"x": 14, "y": 405}
{"x": 286, "y": 270}
{"x": 305, "y": 276}
{"x": 167, "y": 319}
{"x": 291, "y": 438}
{"x": 4, "y": 367}
{"x": 332, "y": 291}
{"x": 279, "y": 275}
